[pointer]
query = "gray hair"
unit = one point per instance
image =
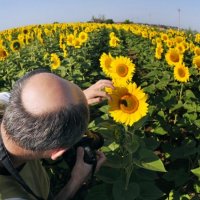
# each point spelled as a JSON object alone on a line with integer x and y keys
{"x": 61, "y": 128}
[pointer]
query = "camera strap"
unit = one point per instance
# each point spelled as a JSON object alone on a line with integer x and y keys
{"x": 7, "y": 163}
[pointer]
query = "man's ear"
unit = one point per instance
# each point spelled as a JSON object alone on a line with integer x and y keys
{"x": 57, "y": 153}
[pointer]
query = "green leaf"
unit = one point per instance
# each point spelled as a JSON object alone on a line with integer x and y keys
{"x": 190, "y": 116}
{"x": 185, "y": 197}
{"x": 145, "y": 175}
{"x": 176, "y": 107}
{"x": 108, "y": 174}
{"x": 116, "y": 161}
{"x": 131, "y": 143}
{"x": 113, "y": 146}
{"x": 159, "y": 130}
{"x": 196, "y": 172}
{"x": 140, "y": 123}
{"x": 179, "y": 176}
{"x": 120, "y": 193}
{"x": 104, "y": 109}
{"x": 149, "y": 160}
{"x": 187, "y": 148}
{"x": 149, "y": 191}
{"x": 189, "y": 94}
{"x": 151, "y": 143}
{"x": 150, "y": 89}
{"x": 190, "y": 107}
{"x": 162, "y": 84}
{"x": 197, "y": 123}
{"x": 99, "y": 192}
{"x": 162, "y": 114}
{"x": 151, "y": 74}
{"x": 197, "y": 187}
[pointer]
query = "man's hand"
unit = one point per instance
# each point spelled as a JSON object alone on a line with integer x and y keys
{"x": 80, "y": 173}
{"x": 95, "y": 93}
{"x": 82, "y": 170}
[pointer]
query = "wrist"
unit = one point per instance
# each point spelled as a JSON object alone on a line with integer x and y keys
{"x": 76, "y": 179}
{"x": 70, "y": 189}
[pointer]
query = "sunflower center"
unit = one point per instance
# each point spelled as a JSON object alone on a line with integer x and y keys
{"x": 174, "y": 57}
{"x": 198, "y": 52}
{"x": 129, "y": 103}
{"x": 3, "y": 53}
{"x": 83, "y": 37}
{"x": 164, "y": 37}
{"x": 16, "y": 45}
{"x": 181, "y": 72}
{"x": 122, "y": 70}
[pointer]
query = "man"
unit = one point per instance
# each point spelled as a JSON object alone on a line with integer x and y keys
{"x": 45, "y": 116}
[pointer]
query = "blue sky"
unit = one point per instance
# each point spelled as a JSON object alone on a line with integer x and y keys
{"x": 15, "y": 13}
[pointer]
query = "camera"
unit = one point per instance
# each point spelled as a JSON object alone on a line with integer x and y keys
{"x": 90, "y": 142}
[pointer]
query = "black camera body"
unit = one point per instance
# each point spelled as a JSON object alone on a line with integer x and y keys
{"x": 91, "y": 142}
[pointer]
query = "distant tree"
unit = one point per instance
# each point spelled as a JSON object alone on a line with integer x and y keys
{"x": 190, "y": 31}
{"x": 109, "y": 21}
{"x": 99, "y": 19}
{"x": 127, "y": 21}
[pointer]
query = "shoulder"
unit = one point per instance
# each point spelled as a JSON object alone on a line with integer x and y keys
{"x": 4, "y": 99}
{"x": 15, "y": 198}
{"x": 4, "y": 96}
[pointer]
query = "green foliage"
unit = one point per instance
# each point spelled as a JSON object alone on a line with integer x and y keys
{"x": 156, "y": 158}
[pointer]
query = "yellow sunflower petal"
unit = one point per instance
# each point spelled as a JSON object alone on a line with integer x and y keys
{"x": 128, "y": 104}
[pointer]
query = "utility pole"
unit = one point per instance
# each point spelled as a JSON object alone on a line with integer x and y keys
{"x": 179, "y": 18}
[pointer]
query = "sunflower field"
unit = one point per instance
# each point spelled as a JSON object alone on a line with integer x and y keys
{"x": 151, "y": 127}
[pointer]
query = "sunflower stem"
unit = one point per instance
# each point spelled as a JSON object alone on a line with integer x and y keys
{"x": 181, "y": 92}
{"x": 128, "y": 170}
{"x": 175, "y": 118}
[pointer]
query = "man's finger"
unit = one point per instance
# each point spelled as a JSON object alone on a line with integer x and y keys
{"x": 80, "y": 154}
{"x": 101, "y": 158}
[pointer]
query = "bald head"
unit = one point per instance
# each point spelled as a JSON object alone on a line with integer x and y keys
{"x": 46, "y": 92}
{"x": 45, "y": 112}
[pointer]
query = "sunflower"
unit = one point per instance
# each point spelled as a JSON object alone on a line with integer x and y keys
{"x": 65, "y": 54}
{"x": 105, "y": 63}
{"x": 55, "y": 61}
{"x": 173, "y": 56}
{"x": 181, "y": 73}
{"x": 77, "y": 43}
{"x": 192, "y": 46}
{"x": 3, "y": 53}
{"x": 159, "y": 51}
{"x": 197, "y": 51}
{"x": 114, "y": 41}
{"x": 70, "y": 39}
{"x": 112, "y": 34}
{"x": 153, "y": 41}
{"x": 164, "y": 37}
{"x": 196, "y": 62}
{"x": 169, "y": 43}
{"x": 40, "y": 37}
{"x": 15, "y": 45}
{"x": 180, "y": 47}
{"x": 158, "y": 40}
{"x": 61, "y": 40}
{"x": 197, "y": 37}
{"x": 122, "y": 69}
{"x": 128, "y": 104}
{"x": 1, "y": 42}
{"x": 83, "y": 36}
{"x": 179, "y": 39}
